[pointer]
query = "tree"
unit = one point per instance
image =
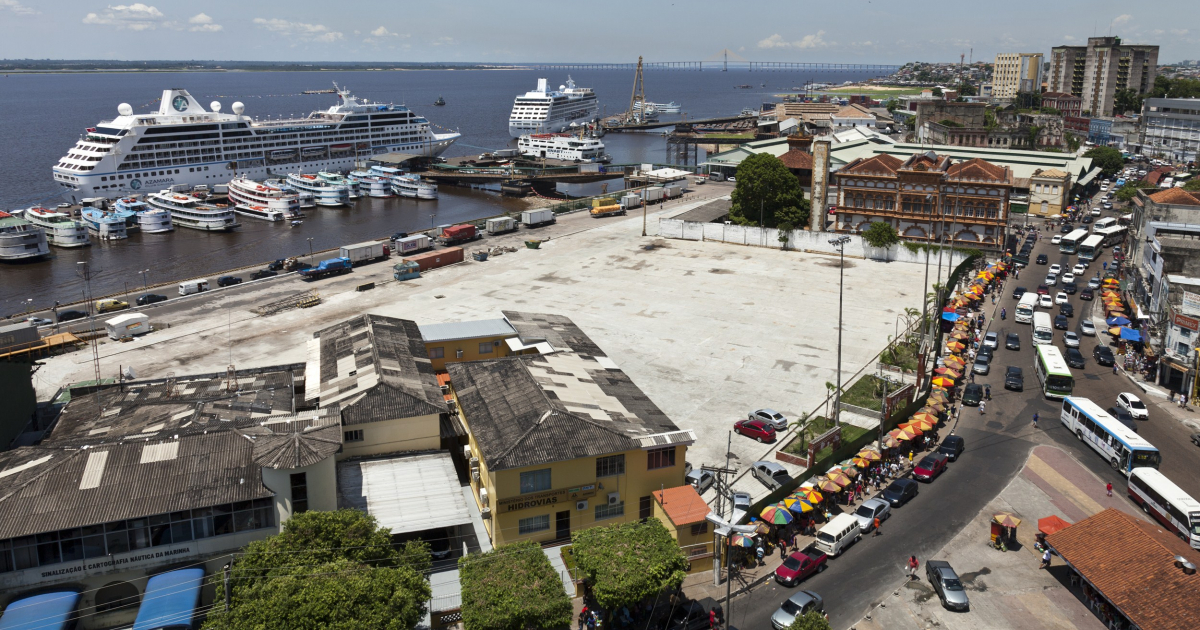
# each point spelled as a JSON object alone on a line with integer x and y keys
{"x": 1126, "y": 101}
{"x": 881, "y": 234}
{"x": 628, "y": 562}
{"x": 1192, "y": 186}
{"x": 795, "y": 215}
{"x": 766, "y": 186}
{"x": 811, "y": 620}
{"x": 937, "y": 91}
{"x": 1129, "y": 190}
{"x": 966, "y": 89}
{"x": 1072, "y": 141}
{"x": 785, "y": 233}
{"x": 1107, "y": 158}
{"x": 892, "y": 104}
{"x": 512, "y": 588}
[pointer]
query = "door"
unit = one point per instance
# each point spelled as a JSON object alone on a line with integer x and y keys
{"x": 562, "y": 522}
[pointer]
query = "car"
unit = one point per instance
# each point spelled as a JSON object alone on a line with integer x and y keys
{"x": 1061, "y": 298}
{"x": 399, "y": 235}
{"x": 1124, "y": 417}
{"x": 1051, "y": 280}
{"x": 110, "y": 305}
{"x": 972, "y": 394}
{"x": 1075, "y": 358}
{"x": 1196, "y": 439}
{"x": 756, "y": 429}
{"x": 1056, "y": 239}
{"x": 1094, "y": 283}
{"x": 1070, "y": 288}
{"x": 1066, "y": 228}
{"x": 1066, "y": 310}
{"x": 770, "y": 474}
{"x": 228, "y": 281}
{"x": 1043, "y": 290}
{"x": 1054, "y": 269}
{"x": 1095, "y": 212}
{"x": 1042, "y": 259}
{"x": 731, "y": 178}
{"x": 151, "y": 298}
{"x": 800, "y": 565}
{"x": 929, "y": 467}
{"x": 1046, "y": 302}
{"x": 798, "y": 605}
{"x": 981, "y": 366}
{"x": 771, "y": 417}
{"x": 741, "y": 503}
{"x": 1061, "y": 322}
{"x": 946, "y": 584}
{"x": 1087, "y": 294}
{"x": 1086, "y": 220}
{"x": 1012, "y": 341}
{"x": 277, "y": 265}
{"x": 70, "y": 314}
{"x": 952, "y": 446}
{"x": 1104, "y": 355}
{"x": 263, "y": 273}
{"x": 1087, "y": 328}
{"x": 985, "y": 352}
{"x": 1014, "y": 379}
{"x": 899, "y": 492}
{"x": 991, "y": 340}
{"x": 1070, "y": 339}
{"x": 1068, "y": 277}
{"x": 699, "y": 479}
{"x": 1133, "y": 405}
{"x": 1079, "y": 269}
{"x": 39, "y": 321}
{"x": 870, "y": 510}
{"x": 1107, "y": 205}
{"x": 1018, "y": 292}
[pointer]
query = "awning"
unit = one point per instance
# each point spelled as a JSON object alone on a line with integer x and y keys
{"x": 1052, "y": 524}
{"x": 1129, "y": 334}
{"x": 950, "y": 317}
{"x": 394, "y": 158}
{"x": 170, "y": 600}
{"x": 48, "y": 611}
{"x": 1087, "y": 179}
{"x": 405, "y": 494}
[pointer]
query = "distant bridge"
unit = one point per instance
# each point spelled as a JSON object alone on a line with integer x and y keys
{"x": 752, "y": 66}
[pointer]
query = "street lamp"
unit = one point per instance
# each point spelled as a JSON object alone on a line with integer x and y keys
{"x": 840, "y": 244}
{"x": 310, "y": 252}
{"x": 145, "y": 282}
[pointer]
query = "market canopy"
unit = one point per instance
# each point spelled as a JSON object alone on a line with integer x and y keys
{"x": 1052, "y": 524}
{"x": 1129, "y": 334}
{"x": 1116, "y": 321}
{"x": 950, "y": 317}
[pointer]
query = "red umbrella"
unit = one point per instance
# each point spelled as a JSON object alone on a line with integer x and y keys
{"x": 1052, "y": 524}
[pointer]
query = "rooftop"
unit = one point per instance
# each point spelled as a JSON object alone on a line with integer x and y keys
{"x": 874, "y": 165}
{"x": 682, "y": 505}
{"x": 1176, "y": 197}
{"x": 405, "y": 494}
{"x": 454, "y": 331}
{"x": 709, "y": 212}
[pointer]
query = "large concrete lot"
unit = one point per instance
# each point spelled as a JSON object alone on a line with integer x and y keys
{"x": 709, "y": 331}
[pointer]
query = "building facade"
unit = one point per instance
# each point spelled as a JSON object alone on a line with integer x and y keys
{"x": 1048, "y": 192}
{"x": 1016, "y": 72}
{"x": 1068, "y": 104}
{"x": 1170, "y": 128}
{"x": 1095, "y": 72}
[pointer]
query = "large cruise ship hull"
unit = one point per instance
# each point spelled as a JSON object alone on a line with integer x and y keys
{"x": 516, "y": 130}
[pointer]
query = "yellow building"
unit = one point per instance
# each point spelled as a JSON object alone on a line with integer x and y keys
{"x": 466, "y": 341}
{"x": 1016, "y": 72}
{"x": 561, "y": 439}
{"x": 1048, "y": 191}
{"x": 684, "y": 513}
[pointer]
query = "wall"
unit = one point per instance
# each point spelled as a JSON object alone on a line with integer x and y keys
{"x": 470, "y": 350}
{"x": 695, "y": 547}
{"x": 20, "y": 400}
{"x": 419, "y": 433}
{"x": 322, "y": 488}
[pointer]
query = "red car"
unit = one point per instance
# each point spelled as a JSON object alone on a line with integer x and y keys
{"x": 1043, "y": 290}
{"x": 929, "y": 467}
{"x": 756, "y": 429}
{"x": 800, "y": 565}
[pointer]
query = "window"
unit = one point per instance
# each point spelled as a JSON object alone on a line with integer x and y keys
{"x": 535, "y": 481}
{"x": 485, "y": 347}
{"x": 299, "y": 492}
{"x": 660, "y": 458}
{"x": 645, "y": 507}
{"x": 353, "y": 436}
{"x": 437, "y": 353}
{"x": 606, "y": 511}
{"x": 1182, "y": 348}
{"x": 533, "y": 524}
{"x": 610, "y": 466}
{"x": 700, "y": 528}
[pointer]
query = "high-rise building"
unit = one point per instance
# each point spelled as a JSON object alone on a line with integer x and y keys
{"x": 1016, "y": 72}
{"x": 1171, "y": 128}
{"x": 1096, "y": 71}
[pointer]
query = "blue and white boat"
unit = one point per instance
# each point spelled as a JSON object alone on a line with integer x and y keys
{"x": 324, "y": 193}
{"x": 107, "y": 225}
{"x": 148, "y": 219}
{"x": 406, "y": 184}
{"x": 337, "y": 179}
{"x": 371, "y": 185}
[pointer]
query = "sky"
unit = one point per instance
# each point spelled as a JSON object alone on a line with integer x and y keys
{"x": 851, "y": 31}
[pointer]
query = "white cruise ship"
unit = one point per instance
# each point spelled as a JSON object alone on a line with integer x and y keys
{"x": 325, "y": 193}
{"x": 189, "y": 212}
{"x": 263, "y": 201}
{"x": 551, "y": 111}
{"x": 20, "y": 239}
{"x": 182, "y": 143}
{"x": 62, "y": 229}
{"x": 406, "y": 184}
{"x": 562, "y": 146}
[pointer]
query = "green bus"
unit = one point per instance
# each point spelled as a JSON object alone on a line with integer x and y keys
{"x": 1053, "y": 373}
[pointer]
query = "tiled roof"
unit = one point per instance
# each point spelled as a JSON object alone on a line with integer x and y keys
{"x": 1051, "y": 173}
{"x": 853, "y": 111}
{"x": 795, "y": 158}
{"x": 929, "y": 160}
{"x": 1134, "y": 569}
{"x": 977, "y": 168}
{"x": 682, "y": 505}
{"x": 1177, "y": 197}
{"x": 882, "y": 163}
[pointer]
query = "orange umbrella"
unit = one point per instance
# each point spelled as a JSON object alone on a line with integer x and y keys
{"x": 954, "y": 345}
{"x": 933, "y": 407}
{"x": 890, "y": 441}
{"x": 959, "y": 335}
{"x": 828, "y": 486}
{"x": 809, "y": 494}
{"x": 920, "y": 425}
{"x": 839, "y": 477}
{"x": 908, "y": 433}
{"x": 869, "y": 455}
{"x": 948, "y": 372}
{"x": 861, "y": 462}
{"x": 954, "y": 362}
{"x": 1006, "y": 519}
{"x": 928, "y": 417}
{"x": 942, "y": 381}
{"x": 939, "y": 395}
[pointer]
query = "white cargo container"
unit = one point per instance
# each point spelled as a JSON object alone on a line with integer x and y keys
{"x": 535, "y": 218}
{"x": 630, "y": 201}
{"x": 193, "y": 286}
{"x": 127, "y": 325}
{"x": 674, "y": 190}
{"x": 500, "y": 225}
{"x": 410, "y": 244}
{"x": 363, "y": 252}
{"x": 654, "y": 194}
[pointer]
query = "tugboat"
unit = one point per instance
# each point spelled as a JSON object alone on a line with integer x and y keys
{"x": 440, "y": 101}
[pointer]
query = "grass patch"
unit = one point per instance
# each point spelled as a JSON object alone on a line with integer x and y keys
{"x": 866, "y": 392}
{"x": 901, "y": 355}
{"x": 851, "y": 432}
{"x": 799, "y": 446}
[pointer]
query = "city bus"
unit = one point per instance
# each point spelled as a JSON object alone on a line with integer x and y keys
{"x": 1026, "y": 306}
{"x": 1113, "y": 235}
{"x": 1090, "y": 248}
{"x": 1124, "y": 449}
{"x": 1043, "y": 332}
{"x": 1069, "y": 242}
{"x": 1053, "y": 373}
{"x": 1100, "y": 224}
{"x": 1169, "y": 504}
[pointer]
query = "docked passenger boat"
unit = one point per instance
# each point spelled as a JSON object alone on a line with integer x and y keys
{"x": 150, "y": 220}
{"x": 406, "y": 184}
{"x": 371, "y": 185}
{"x": 20, "y": 239}
{"x": 190, "y": 212}
{"x": 667, "y": 108}
{"x": 265, "y": 200}
{"x": 324, "y": 193}
{"x": 62, "y": 229}
{"x": 340, "y": 180}
{"x": 108, "y": 226}
{"x": 562, "y": 146}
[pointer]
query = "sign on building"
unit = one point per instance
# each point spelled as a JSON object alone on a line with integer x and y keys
{"x": 1191, "y": 303}
{"x": 1190, "y": 323}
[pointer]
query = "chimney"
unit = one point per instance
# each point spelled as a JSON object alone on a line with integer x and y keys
{"x": 802, "y": 143}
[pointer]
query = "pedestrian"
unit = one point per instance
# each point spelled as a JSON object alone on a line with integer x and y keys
{"x": 583, "y": 617}
{"x": 1045, "y": 559}
{"x": 878, "y": 531}
{"x": 712, "y": 619}
{"x": 782, "y": 549}
{"x": 987, "y": 392}
{"x": 591, "y": 621}
{"x": 1035, "y": 419}
{"x": 759, "y": 553}
{"x": 982, "y": 404}
{"x": 912, "y": 567}
{"x": 1108, "y": 487}
{"x": 1114, "y": 368}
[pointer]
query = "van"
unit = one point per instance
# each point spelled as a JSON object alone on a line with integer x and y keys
{"x": 110, "y": 305}
{"x": 193, "y": 286}
{"x": 837, "y": 534}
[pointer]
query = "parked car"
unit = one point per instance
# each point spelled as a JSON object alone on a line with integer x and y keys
{"x": 1043, "y": 289}
{"x": 1012, "y": 341}
{"x": 869, "y": 511}
{"x": 899, "y": 492}
{"x": 1196, "y": 439}
{"x": 1014, "y": 378}
{"x": 1066, "y": 310}
{"x": 741, "y": 503}
{"x": 800, "y": 565}
{"x": 952, "y": 446}
{"x": 1087, "y": 294}
{"x": 1094, "y": 283}
{"x": 1018, "y": 292}
{"x": 982, "y": 364}
{"x": 991, "y": 339}
{"x": 1061, "y": 298}
{"x": 1124, "y": 417}
{"x": 1133, "y": 405}
{"x": 1103, "y": 355}
{"x": 1070, "y": 339}
{"x": 277, "y": 265}
{"x": 110, "y": 305}
{"x": 228, "y": 281}
{"x": 1055, "y": 269}
{"x": 929, "y": 467}
{"x": 1070, "y": 288}
{"x": 699, "y": 479}
{"x": 770, "y": 474}
{"x": 263, "y": 273}
{"x": 946, "y": 584}
{"x": 985, "y": 351}
{"x": 798, "y": 605}
{"x": 1042, "y": 259}
{"x": 1087, "y": 328}
{"x": 151, "y": 298}
{"x": 1060, "y": 322}
{"x": 1075, "y": 358}
{"x": 70, "y": 314}
{"x": 756, "y": 429}
{"x": 972, "y": 394}
{"x": 771, "y": 417}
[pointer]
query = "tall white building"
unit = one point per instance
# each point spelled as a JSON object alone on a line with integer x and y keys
{"x": 1016, "y": 72}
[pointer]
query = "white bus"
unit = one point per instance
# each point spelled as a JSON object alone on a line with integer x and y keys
{"x": 1053, "y": 373}
{"x": 1090, "y": 248}
{"x": 1169, "y": 504}
{"x": 1026, "y": 306}
{"x": 1069, "y": 242}
{"x": 1124, "y": 449}
{"x": 1112, "y": 235}
{"x": 1043, "y": 332}
{"x": 1100, "y": 224}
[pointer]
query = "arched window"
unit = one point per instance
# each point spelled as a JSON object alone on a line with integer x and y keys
{"x": 115, "y": 596}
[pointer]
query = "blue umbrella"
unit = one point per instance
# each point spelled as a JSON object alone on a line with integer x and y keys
{"x": 1130, "y": 334}
{"x": 950, "y": 317}
{"x": 1116, "y": 320}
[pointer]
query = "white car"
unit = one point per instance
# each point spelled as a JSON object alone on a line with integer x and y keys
{"x": 777, "y": 420}
{"x": 1055, "y": 269}
{"x": 1061, "y": 298}
{"x": 1070, "y": 339}
{"x": 1068, "y": 277}
{"x": 1087, "y": 328}
{"x": 1051, "y": 280}
{"x": 1096, "y": 211}
{"x": 1056, "y": 239}
{"x": 1046, "y": 302}
{"x": 991, "y": 340}
{"x": 1133, "y": 405}
{"x": 1079, "y": 269}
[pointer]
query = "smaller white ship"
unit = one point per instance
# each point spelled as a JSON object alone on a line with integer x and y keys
{"x": 150, "y": 220}
{"x": 406, "y": 184}
{"x": 324, "y": 193}
{"x": 20, "y": 239}
{"x": 667, "y": 108}
{"x": 191, "y": 212}
{"x": 265, "y": 201}
{"x": 339, "y": 180}
{"x": 62, "y": 229}
{"x": 371, "y": 185}
{"x": 562, "y": 146}
{"x": 108, "y": 226}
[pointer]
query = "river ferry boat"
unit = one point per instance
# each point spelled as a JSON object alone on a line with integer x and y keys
{"x": 562, "y": 146}
{"x": 20, "y": 239}
{"x": 264, "y": 200}
{"x": 62, "y": 229}
{"x": 194, "y": 213}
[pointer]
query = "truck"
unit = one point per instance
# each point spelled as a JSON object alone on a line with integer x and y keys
{"x": 537, "y": 218}
{"x": 631, "y": 201}
{"x": 127, "y": 326}
{"x": 604, "y": 211}
{"x": 435, "y": 259}
{"x": 500, "y": 225}
{"x": 327, "y": 267}
{"x": 364, "y": 252}
{"x": 674, "y": 189}
{"x": 456, "y": 234}
{"x": 193, "y": 286}
{"x": 413, "y": 244}
{"x": 656, "y": 193}
{"x": 800, "y": 565}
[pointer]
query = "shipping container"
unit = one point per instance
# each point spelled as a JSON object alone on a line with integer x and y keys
{"x": 439, "y": 258}
{"x": 500, "y": 225}
{"x": 631, "y": 201}
{"x": 412, "y": 244}
{"x": 654, "y": 194}
{"x": 364, "y": 252}
{"x": 674, "y": 190}
{"x": 458, "y": 234}
{"x": 536, "y": 218}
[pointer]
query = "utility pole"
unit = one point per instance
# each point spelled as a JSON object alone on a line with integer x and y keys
{"x": 840, "y": 244}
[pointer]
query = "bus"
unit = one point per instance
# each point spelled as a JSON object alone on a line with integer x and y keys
{"x": 1053, "y": 373}
{"x": 1069, "y": 242}
{"x": 1172, "y": 506}
{"x": 1043, "y": 332}
{"x": 1113, "y": 235}
{"x": 1124, "y": 449}
{"x": 1026, "y": 306}
{"x": 1090, "y": 248}
{"x": 1100, "y": 224}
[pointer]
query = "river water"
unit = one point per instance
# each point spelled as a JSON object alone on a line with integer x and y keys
{"x": 46, "y": 114}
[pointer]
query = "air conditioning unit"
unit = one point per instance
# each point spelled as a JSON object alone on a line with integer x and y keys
{"x": 458, "y": 354}
{"x": 581, "y": 505}
{"x": 483, "y": 496}
{"x": 486, "y": 512}
{"x": 445, "y": 388}
{"x": 614, "y": 498}
{"x": 474, "y": 462}
{"x": 475, "y": 475}
{"x": 467, "y": 452}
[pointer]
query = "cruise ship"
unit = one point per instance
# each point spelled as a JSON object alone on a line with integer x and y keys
{"x": 371, "y": 185}
{"x": 190, "y": 212}
{"x": 406, "y": 184}
{"x": 182, "y": 143}
{"x": 62, "y": 229}
{"x": 20, "y": 239}
{"x": 263, "y": 201}
{"x": 551, "y": 111}
{"x": 562, "y": 146}
{"x": 107, "y": 225}
{"x": 150, "y": 220}
{"x": 325, "y": 193}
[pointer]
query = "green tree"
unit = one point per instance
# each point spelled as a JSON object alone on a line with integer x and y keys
{"x": 766, "y": 186}
{"x": 796, "y": 215}
{"x": 512, "y": 588}
{"x": 1107, "y": 158}
{"x": 892, "y": 104}
{"x": 1126, "y": 101}
{"x": 628, "y": 562}
{"x": 1034, "y": 130}
{"x": 785, "y": 233}
{"x": 966, "y": 89}
{"x": 881, "y": 234}
{"x": 1072, "y": 141}
{"x": 1193, "y": 185}
{"x": 1129, "y": 190}
{"x": 937, "y": 91}
{"x": 811, "y": 620}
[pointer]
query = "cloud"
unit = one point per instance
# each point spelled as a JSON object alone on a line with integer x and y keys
{"x": 18, "y": 8}
{"x": 816, "y": 40}
{"x": 381, "y": 35}
{"x": 444, "y": 41}
{"x": 135, "y": 17}
{"x": 1122, "y": 19}
{"x": 317, "y": 32}
{"x": 201, "y": 23}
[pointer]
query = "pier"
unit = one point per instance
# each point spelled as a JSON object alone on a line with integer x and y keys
{"x": 612, "y": 124}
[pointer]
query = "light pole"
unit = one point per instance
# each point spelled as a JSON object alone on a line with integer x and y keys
{"x": 145, "y": 282}
{"x": 840, "y": 244}
{"x": 310, "y": 252}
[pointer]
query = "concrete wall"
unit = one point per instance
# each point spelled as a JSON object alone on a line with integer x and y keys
{"x": 322, "y": 488}
{"x": 20, "y": 400}
{"x": 420, "y": 433}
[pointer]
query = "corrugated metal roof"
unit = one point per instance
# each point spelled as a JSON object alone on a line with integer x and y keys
{"x": 405, "y": 494}
{"x": 708, "y": 212}
{"x": 453, "y": 331}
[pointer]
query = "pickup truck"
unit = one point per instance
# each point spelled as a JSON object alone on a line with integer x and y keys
{"x": 771, "y": 475}
{"x": 800, "y": 565}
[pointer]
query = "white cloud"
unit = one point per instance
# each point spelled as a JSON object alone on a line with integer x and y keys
{"x": 201, "y": 23}
{"x": 135, "y": 17}
{"x": 444, "y": 41}
{"x": 317, "y": 32}
{"x": 816, "y": 40}
{"x": 1122, "y": 19}
{"x": 18, "y": 8}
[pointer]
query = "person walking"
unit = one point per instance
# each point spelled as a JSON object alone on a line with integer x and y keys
{"x": 583, "y": 617}
{"x": 1108, "y": 487}
{"x": 987, "y": 392}
{"x": 1045, "y": 559}
{"x": 982, "y": 404}
{"x": 912, "y": 567}
{"x": 782, "y": 549}
{"x": 759, "y": 554}
{"x": 1035, "y": 420}
{"x": 878, "y": 530}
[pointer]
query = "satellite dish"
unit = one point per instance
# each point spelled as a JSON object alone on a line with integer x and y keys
{"x": 125, "y": 109}
{"x": 215, "y": 106}
{"x": 238, "y": 108}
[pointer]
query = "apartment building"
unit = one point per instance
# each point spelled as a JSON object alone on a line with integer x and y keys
{"x": 1016, "y": 72}
{"x": 1096, "y": 71}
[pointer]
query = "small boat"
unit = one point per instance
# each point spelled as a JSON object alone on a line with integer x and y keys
{"x": 297, "y": 223}
{"x": 440, "y": 101}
